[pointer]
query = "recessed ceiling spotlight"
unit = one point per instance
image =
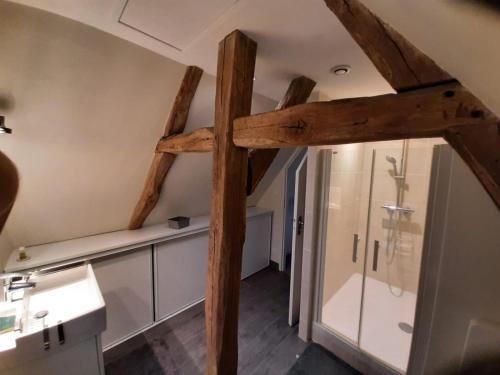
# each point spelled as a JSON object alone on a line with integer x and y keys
{"x": 340, "y": 70}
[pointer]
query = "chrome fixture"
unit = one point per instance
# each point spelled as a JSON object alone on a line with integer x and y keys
{"x": 392, "y": 160}
{"x": 14, "y": 281}
{"x": 355, "y": 248}
{"x": 3, "y": 128}
{"x": 404, "y": 210}
{"x": 21, "y": 285}
{"x": 391, "y": 244}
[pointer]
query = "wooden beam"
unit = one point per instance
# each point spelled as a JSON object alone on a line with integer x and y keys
{"x": 235, "y": 72}
{"x": 200, "y": 140}
{"x": 162, "y": 161}
{"x": 399, "y": 62}
{"x": 260, "y": 160}
{"x": 420, "y": 113}
{"x": 406, "y": 68}
{"x": 480, "y": 148}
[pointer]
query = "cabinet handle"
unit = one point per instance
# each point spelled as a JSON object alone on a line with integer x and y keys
{"x": 375, "y": 255}
{"x": 355, "y": 248}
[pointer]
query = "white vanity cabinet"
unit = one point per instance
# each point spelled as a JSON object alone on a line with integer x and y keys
{"x": 180, "y": 273}
{"x": 126, "y": 283}
{"x": 150, "y": 274}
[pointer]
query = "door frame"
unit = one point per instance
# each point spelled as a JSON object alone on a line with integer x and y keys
{"x": 290, "y": 168}
{"x": 297, "y": 248}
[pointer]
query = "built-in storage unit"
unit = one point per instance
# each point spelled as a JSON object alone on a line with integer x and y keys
{"x": 150, "y": 274}
{"x": 126, "y": 284}
{"x": 180, "y": 273}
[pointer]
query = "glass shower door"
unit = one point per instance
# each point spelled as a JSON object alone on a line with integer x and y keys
{"x": 396, "y": 217}
{"x": 343, "y": 258}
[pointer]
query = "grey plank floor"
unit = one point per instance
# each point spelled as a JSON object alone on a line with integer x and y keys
{"x": 267, "y": 345}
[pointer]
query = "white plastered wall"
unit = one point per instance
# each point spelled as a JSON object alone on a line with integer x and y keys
{"x": 87, "y": 109}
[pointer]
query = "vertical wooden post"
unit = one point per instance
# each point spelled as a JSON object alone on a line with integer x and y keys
{"x": 235, "y": 71}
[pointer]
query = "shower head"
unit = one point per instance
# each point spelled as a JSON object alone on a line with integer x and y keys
{"x": 391, "y": 159}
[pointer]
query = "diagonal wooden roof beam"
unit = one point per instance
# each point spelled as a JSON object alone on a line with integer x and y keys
{"x": 400, "y": 63}
{"x": 259, "y": 161}
{"x": 163, "y": 161}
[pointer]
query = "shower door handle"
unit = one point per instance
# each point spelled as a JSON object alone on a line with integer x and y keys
{"x": 375, "y": 255}
{"x": 355, "y": 248}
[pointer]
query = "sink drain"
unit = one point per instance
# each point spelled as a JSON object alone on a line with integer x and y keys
{"x": 405, "y": 327}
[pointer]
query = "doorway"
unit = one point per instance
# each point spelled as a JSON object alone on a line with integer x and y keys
{"x": 291, "y": 262}
{"x": 290, "y": 179}
{"x": 375, "y": 202}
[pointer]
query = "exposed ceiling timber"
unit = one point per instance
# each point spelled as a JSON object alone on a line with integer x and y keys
{"x": 300, "y": 38}
{"x": 295, "y": 38}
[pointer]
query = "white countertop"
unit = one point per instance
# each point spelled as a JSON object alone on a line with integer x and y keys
{"x": 108, "y": 243}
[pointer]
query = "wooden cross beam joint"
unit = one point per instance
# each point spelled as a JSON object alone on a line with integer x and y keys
{"x": 259, "y": 161}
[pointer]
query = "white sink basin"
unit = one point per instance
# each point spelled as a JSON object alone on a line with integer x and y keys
{"x": 74, "y": 305}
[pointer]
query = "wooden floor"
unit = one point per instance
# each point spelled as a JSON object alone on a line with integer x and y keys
{"x": 267, "y": 345}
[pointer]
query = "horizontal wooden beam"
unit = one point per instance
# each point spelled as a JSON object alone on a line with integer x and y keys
{"x": 420, "y": 113}
{"x": 260, "y": 160}
{"x": 200, "y": 140}
{"x": 399, "y": 62}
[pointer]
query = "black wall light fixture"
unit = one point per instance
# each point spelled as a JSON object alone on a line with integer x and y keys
{"x": 3, "y": 128}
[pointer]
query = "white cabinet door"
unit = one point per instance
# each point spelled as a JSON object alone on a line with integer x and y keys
{"x": 257, "y": 248}
{"x": 181, "y": 269}
{"x": 126, "y": 283}
{"x": 83, "y": 358}
{"x": 181, "y": 265}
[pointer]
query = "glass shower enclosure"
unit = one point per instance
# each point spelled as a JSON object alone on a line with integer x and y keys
{"x": 373, "y": 225}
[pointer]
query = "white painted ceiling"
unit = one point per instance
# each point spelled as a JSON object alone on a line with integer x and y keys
{"x": 295, "y": 37}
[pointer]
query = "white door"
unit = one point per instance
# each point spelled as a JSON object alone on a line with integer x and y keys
{"x": 297, "y": 241}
